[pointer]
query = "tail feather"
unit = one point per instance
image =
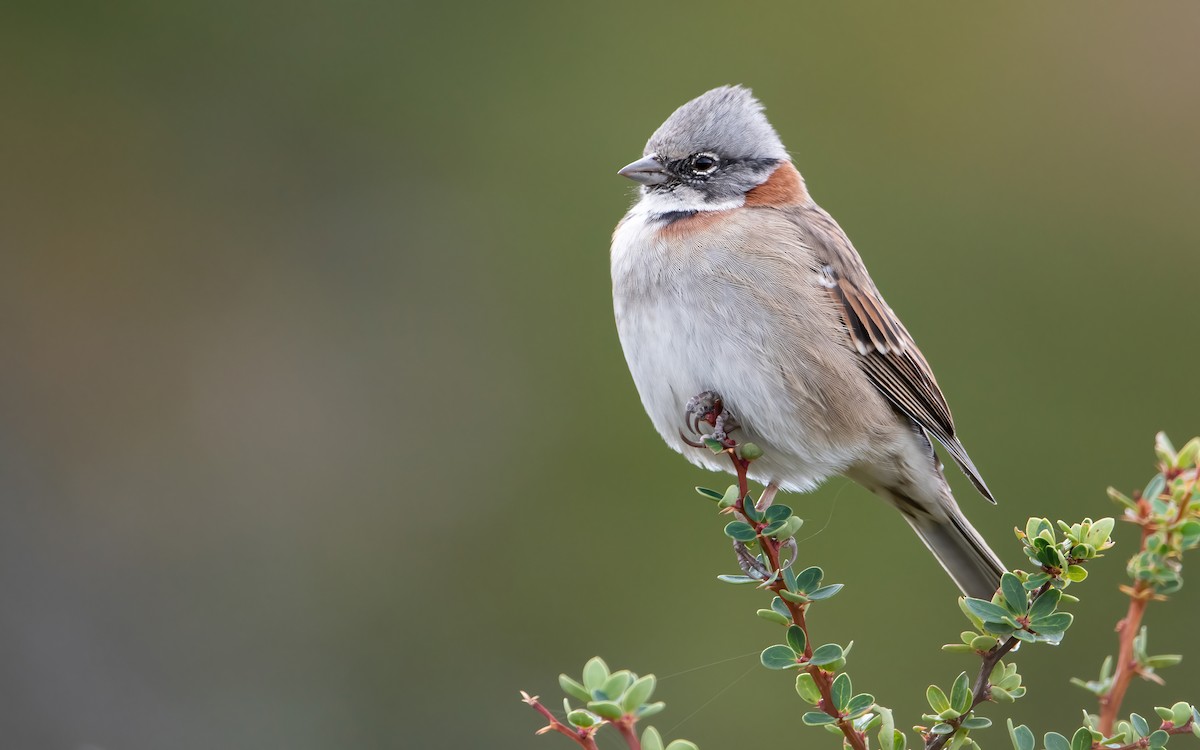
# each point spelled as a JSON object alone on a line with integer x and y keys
{"x": 959, "y": 548}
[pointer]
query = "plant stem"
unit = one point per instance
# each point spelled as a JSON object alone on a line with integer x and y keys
{"x": 980, "y": 693}
{"x": 770, "y": 547}
{"x": 1144, "y": 742}
{"x": 1127, "y": 630}
{"x": 628, "y": 733}
{"x": 583, "y": 737}
{"x": 982, "y": 690}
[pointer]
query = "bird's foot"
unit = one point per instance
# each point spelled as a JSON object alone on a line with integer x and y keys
{"x": 708, "y": 408}
{"x": 768, "y": 497}
{"x": 749, "y": 562}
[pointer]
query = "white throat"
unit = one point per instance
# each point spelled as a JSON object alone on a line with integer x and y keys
{"x": 658, "y": 202}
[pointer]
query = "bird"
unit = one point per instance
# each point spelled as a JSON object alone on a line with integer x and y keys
{"x": 729, "y": 279}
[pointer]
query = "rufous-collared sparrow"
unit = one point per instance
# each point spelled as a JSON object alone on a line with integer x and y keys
{"x": 728, "y": 278}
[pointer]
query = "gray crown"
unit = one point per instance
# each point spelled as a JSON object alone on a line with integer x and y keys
{"x": 727, "y": 120}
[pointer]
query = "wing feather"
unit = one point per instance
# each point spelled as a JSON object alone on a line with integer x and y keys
{"x": 890, "y": 357}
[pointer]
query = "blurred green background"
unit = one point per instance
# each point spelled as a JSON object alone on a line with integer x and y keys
{"x": 314, "y": 427}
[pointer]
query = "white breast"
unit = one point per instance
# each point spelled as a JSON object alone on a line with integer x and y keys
{"x": 690, "y": 318}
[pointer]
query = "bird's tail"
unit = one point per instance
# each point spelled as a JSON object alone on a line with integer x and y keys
{"x": 975, "y": 569}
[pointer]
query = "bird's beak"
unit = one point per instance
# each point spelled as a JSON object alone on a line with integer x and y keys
{"x": 648, "y": 171}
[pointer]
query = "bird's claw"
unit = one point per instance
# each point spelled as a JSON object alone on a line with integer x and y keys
{"x": 708, "y": 408}
{"x": 749, "y": 562}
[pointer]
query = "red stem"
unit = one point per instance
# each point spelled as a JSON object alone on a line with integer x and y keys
{"x": 582, "y": 736}
{"x": 1127, "y": 630}
{"x": 625, "y": 727}
{"x": 823, "y": 679}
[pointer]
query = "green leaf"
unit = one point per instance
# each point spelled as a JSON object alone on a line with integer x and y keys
{"x": 987, "y": 611}
{"x": 1076, "y": 573}
{"x": 1015, "y": 597}
{"x": 778, "y": 657}
{"x": 1155, "y": 487}
{"x": 652, "y": 740}
{"x": 1036, "y": 580}
{"x": 824, "y": 592}
{"x": 859, "y": 704}
{"x": 1000, "y": 695}
{"x": 797, "y": 639}
{"x": 573, "y": 688}
{"x": 793, "y": 597}
{"x": 582, "y": 719}
{"x": 1158, "y": 738}
{"x": 737, "y": 580}
{"x": 710, "y": 494}
{"x": 741, "y": 531}
{"x": 887, "y": 729}
{"x": 1140, "y": 725}
{"x": 1189, "y": 454}
{"x": 1035, "y": 526}
{"x": 976, "y": 722}
{"x": 616, "y": 684}
{"x": 809, "y": 578}
{"x": 942, "y": 728}
{"x": 1022, "y": 737}
{"x": 650, "y": 709}
{"x": 638, "y": 693}
{"x": 1163, "y": 660}
{"x": 937, "y": 699}
{"x": 750, "y": 510}
{"x": 595, "y": 674}
{"x": 1100, "y": 532}
{"x": 778, "y": 605}
{"x": 806, "y": 688}
{"x": 771, "y": 615}
{"x": 1119, "y": 497}
{"x": 1180, "y": 713}
{"x": 1055, "y": 623}
{"x": 816, "y": 719}
{"x": 1045, "y": 604}
{"x": 1055, "y": 741}
{"x": 841, "y": 691}
{"x": 1082, "y": 739}
{"x": 788, "y": 527}
{"x": 960, "y": 693}
{"x": 982, "y": 643}
{"x": 682, "y": 745}
{"x": 975, "y": 621}
{"x": 610, "y": 710}
{"x": 826, "y": 654}
{"x": 730, "y": 498}
{"x": 716, "y": 446}
{"x": 777, "y": 513}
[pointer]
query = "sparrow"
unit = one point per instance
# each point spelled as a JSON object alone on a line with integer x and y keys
{"x": 728, "y": 278}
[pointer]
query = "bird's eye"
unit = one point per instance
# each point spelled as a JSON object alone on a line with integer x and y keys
{"x": 704, "y": 163}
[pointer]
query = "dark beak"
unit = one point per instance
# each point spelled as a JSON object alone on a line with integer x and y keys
{"x": 647, "y": 171}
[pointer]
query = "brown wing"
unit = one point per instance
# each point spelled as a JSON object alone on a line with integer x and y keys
{"x": 890, "y": 357}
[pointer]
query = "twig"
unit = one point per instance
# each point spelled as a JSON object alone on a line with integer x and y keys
{"x": 1144, "y": 742}
{"x": 823, "y": 679}
{"x": 982, "y": 692}
{"x": 1127, "y": 630}
{"x": 582, "y": 736}
{"x": 625, "y": 727}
